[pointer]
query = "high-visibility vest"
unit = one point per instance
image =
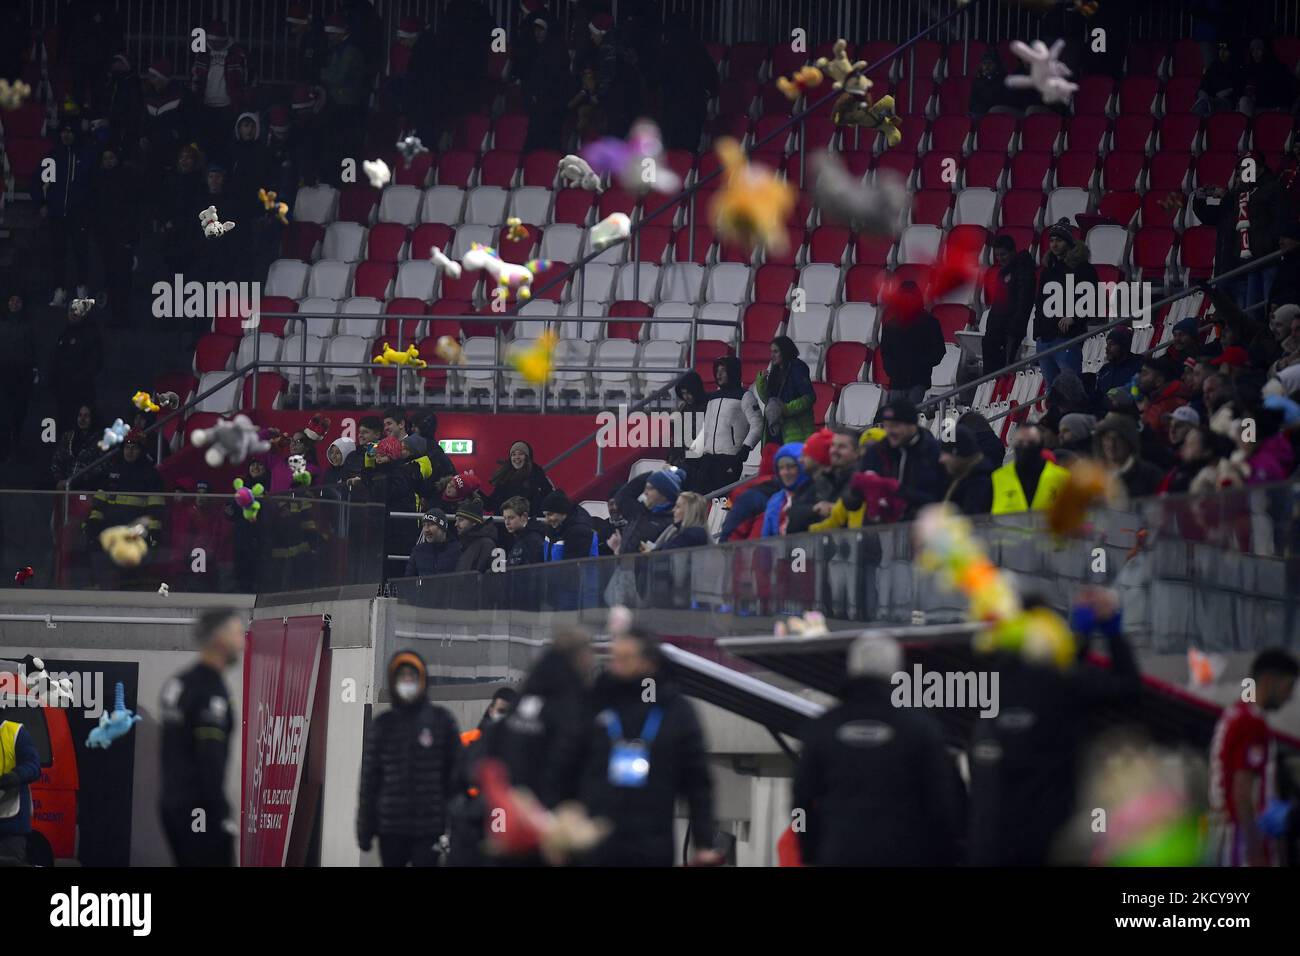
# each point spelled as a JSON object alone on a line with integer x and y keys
{"x": 1009, "y": 495}
{"x": 9, "y": 806}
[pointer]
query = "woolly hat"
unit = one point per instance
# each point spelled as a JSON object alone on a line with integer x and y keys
{"x": 346, "y": 446}
{"x": 461, "y": 486}
{"x": 817, "y": 447}
{"x": 337, "y": 23}
{"x": 963, "y": 444}
{"x": 557, "y": 503}
{"x": 217, "y": 28}
{"x": 471, "y": 510}
{"x": 437, "y": 516}
{"x": 1188, "y": 325}
{"x": 161, "y": 68}
{"x": 297, "y": 15}
{"x": 1061, "y": 229}
{"x": 900, "y": 410}
{"x": 303, "y": 98}
{"x": 667, "y": 482}
{"x": 417, "y": 445}
{"x": 279, "y": 119}
{"x": 389, "y": 447}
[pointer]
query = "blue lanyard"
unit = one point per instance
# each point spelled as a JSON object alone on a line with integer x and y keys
{"x": 614, "y": 727}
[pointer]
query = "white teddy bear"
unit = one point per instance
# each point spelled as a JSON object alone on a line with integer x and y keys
{"x": 212, "y": 224}
{"x": 578, "y": 172}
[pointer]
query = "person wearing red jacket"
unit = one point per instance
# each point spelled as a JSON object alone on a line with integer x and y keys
{"x": 218, "y": 80}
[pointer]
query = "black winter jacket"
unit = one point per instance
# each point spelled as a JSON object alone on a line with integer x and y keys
{"x": 528, "y": 546}
{"x": 407, "y": 762}
{"x": 911, "y": 349}
{"x": 922, "y": 480}
{"x": 1077, "y": 262}
{"x": 476, "y": 547}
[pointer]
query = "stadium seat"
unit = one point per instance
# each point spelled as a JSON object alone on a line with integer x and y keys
{"x": 1087, "y": 134}
{"x": 220, "y": 401}
{"x": 845, "y": 362}
{"x": 443, "y": 204}
{"x": 1119, "y": 206}
{"x": 858, "y": 404}
{"x": 680, "y": 282}
{"x": 761, "y": 322}
{"x": 855, "y": 322}
{"x": 1196, "y": 252}
{"x": 1152, "y": 248}
{"x": 343, "y": 241}
{"x": 930, "y": 207}
{"x": 301, "y": 240}
{"x": 214, "y": 352}
{"x": 996, "y": 131}
{"x": 1168, "y": 171}
{"x": 1093, "y": 95}
{"x": 1041, "y": 132}
{"x": 572, "y": 206}
{"x": 359, "y": 315}
{"x": 1021, "y": 207}
{"x": 1066, "y": 203}
{"x": 426, "y": 236}
{"x": 530, "y": 203}
{"x": 1180, "y": 93}
{"x": 637, "y": 282}
{"x": 1214, "y": 169}
{"x": 975, "y": 206}
{"x": 1076, "y": 169}
{"x": 772, "y": 283}
{"x": 561, "y": 241}
{"x": 486, "y": 205}
{"x": 727, "y": 282}
{"x": 950, "y": 135}
{"x": 1271, "y": 132}
{"x": 1138, "y": 93}
{"x": 1122, "y": 170}
{"x": 415, "y": 173}
{"x": 1180, "y": 131}
{"x": 984, "y": 170}
{"x": 315, "y": 204}
{"x": 862, "y": 283}
{"x": 373, "y": 278}
{"x": 1108, "y": 245}
{"x": 540, "y": 168}
{"x": 287, "y": 277}
{"x": 919, "y": 244}
{"x": 384, "y": 242}
{"x": 1154, "y": 211}
{"x": 820, "y": 282}
{"x": 357, "y": 202}
{"x": 498, "y": 167}
{"x": 828, "y": 244}
{"x": 1031, "y": 170}
{"x": 1134, "y": 133}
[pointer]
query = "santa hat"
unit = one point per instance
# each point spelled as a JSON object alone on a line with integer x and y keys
{"x": 409, "y": 28}
{"x": 279, "y": 119}
{"x": 217, "y": 28}
{"x": 161, "y": 69}
{"x": 601, "y": 24}
{"x": 317, "y": 428}
{"x": 337, "y": 23}
{"x": 297, "y": 15}
{"x": 303, "y": 99}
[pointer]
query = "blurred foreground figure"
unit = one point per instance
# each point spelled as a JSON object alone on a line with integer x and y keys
{"x": 465, "y": 812}
{"x": 874, "y": 781}
{"x": 1244, "y": 766}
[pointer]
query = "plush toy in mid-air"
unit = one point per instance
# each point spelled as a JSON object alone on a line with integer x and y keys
{"x": 575, "y": 171}
{"x": 318, "y": 427}
{"x": 144, "y": 401}
{"x": 298, "y": 470}
{"x": 125, "y": 545}
{"x": 812, "y": 624}
{"x": 803, "y": 80}
{"x": 37, "y": 679}
{"x": 613, "y": 228}
{"x": 13, "y": 94}
{"x": 247, "y": 498}
{"x": 507, "y": 275}
{"x": 856, "y": 108}
{"x": 212, "y": 225}
{"x": 81, "y": 307}
{"x": 448, "y": 265}
{"x": 271, "y": 203}
{"x": 114, "y": 435}
{"x": 230, "y": 440}
{"x": 515, "y": 230}
{"x": 449, "y": 350}
{"x": 23, "y": 575}
{"x": 115, "y": 723}
{"x": 410, "y": 146}
{"x": 839, "y": 67}
{"x": 390, "y": 356}
{"x": 1047, "y": 74}
{"x": 876, "y": 208}
{"x": 377, "y": 172}
{"x": 535, "y": 363}
{"x": 637, "y": 163}
{"x": 753, "y": 205}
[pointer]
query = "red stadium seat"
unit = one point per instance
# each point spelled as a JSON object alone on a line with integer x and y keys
{"x": 572, "y": 206}
{"x": 1093, "y": 95}
{"x": 1151, "y": 248}
{"x": 823, "y": 395}
{"x": 1180, "y": 93}
{"x": 433, "y": 378}
{"x": 653, "y": 240}
{"x": 616, "y": 199}
{"x": 1215, "y": 169}
{"x": 1188, "y": 60}
{"x": 1040, "y": 131}
{"x": 1196, "y": 251}
{"x": 940, "y": 171}
{"x": 425, "y": 237}
{"x": 456, "y": 166}
{"x": 928, "y": 55}
{"x": 385, "y": 242}
{"x": 498, "y": 167}
{"x": 416, "y": 174}
{"x": 357, "y": 203}
{"x": 1030, "y": 170}
{"x": 1144, "y": 57}
{"x": 540, "y": 167}
{"x": 407, "y": 329}
{"x": 1225, "y": 131}
{"x": 747, "y": 59}
{"x": 862, "y": 283}
{"x": 517, "y": 251}
{"x": 878, "y": 373}
{"x": 954, "y": 96}
{"x": 214, "y": 351}
{"x": 772, "y": 283}
{"x": 765, "y": 127}
{"x": 510, "y": 131}
{"x": 869, "y": 249}
{"x": 1122, "y": 170}
{"x": 273, "y": 323}
{"x": 964, "y": 59}
{"x": 899, "y": 163}
{"x": 373, "y": 279}
{"x": 827, "y": 244}
{"x": 930, "y": 206}
{"x": 845, "y": 361}
{"x": 761, "y": 322}
{"x": 1020, "y": 207}
{"x": 1119, "y": 206}
{"x": 1154, "y": 212}
{"x": 736, "y": 95}
{"x": 471, "y": 132}
{"x": 682, "y": 244}
{"x": 797, "y": 235}
{"x": 1087, "y": 133}
{"x": 984, "y": 169}
{"x": 948, "y": 134}
{"x": 24, "y": 155}
{"x": 754, "y": 357}
{"x": 1133, "y": 132}
{"x": 1168, "y": 170}
{"x": 1270, "y": 132}
{"x": 995, "y": 131}
{"x": 1180, "y": 131}
{"x": 952, "y": 319}
{"x": 1137, "y": 93}
{"x": 300, "y": 239}
{"x": 1075, "y": 169}
{"x": 270, "y": 386}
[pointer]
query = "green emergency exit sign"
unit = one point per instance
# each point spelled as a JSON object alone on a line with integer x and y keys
{"x": 457, "y": 446}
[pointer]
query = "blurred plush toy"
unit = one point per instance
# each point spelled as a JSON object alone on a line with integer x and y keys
{"x": 163, "y": 589}
{"x": 318, "y": 427}
{"x": 1087, "y": 484}
{"x": 298, "y": 469}
{"x": 812, "y": 624}
{"x": 23, "y": 575}
{"x": 518, "y": 279}
{"x": 515, "y": 230}
{"x": 753, "y": 205}
{"x": 575, "y": 171}
{"x": 114, "y": 435}
{"x": 1204, "y": 669}
{"x": 636, "y": 162}
{"x": 247, "y": 498}
{"x": 13, "y": 94}
{"x": 449, "y": 350}
{"x": 126, "y": 545}
{"x": 557, "y": 835}
{"x": 212, "y": 225}
{"x": 613, "y": 228}
{"x": 377, "y": 172}
{"x": 81, "y": 306}
{"x": 115, "y": 723}
{"x": 1172, "y": 203}
{"x": 272, "y": 204}
{"x": 856, "y": 108}
{"x": 839, "y": 67}
{"x": 946, "y": 546}
{"x": 871, "y": 208}
{"x": 391, "y": 356}
{"x": 448, "y": 265}
{"x": 144, "y": 402}
{"x": 1046, "y": 71}
{"x": 410, "y": 146}
{"x": 535, "y": 363}
{"x": 231, "y": 441}
{"x": 168, "y": 401}
{"x": 37, "y": 678}
{"x": 803, "y": 80}
{"x": 880, "y": 499}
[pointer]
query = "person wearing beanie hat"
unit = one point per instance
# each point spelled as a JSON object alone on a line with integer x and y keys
{"x": 569, "y": 530}
{"x": 519, "y": 475}
{"x": 1066, "y": 269}
{"x": 970, "y": 484}
{"x": 909, "y": 455}
{"x": 828, "y": 459}
{"x": 460, "y": 486}
{"x": 388, "y": 449}
{"x": 866, "y": 812}
{"x": 791, "y": 480}
{"x": 1160, "y": 386}
{"x": 667, "y": 482}
{"x": 911, "y": 347}
{"x": 1009, "y": 292}
{"x": 437, "y": 550}
{"x": 1231, "y": 360}
{"x": 1186, "y": 340}
{"x": 1118, "y": 446}
{"x": 656, "y": 513}
{"x": 1120, "y": 369}
{"x": 817, "y": 451}
{"x": 478, "y": 539}
{"x": 603, "y": 60}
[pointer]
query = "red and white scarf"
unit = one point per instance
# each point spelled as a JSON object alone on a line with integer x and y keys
{"x": 1243, "y": 223}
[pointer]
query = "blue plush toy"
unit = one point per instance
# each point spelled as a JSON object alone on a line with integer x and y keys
{"x": 112, "y": 725}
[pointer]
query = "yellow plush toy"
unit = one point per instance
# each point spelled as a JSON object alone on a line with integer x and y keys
{"x": 803, "y": 80}
{"x": 390, "y": 356}
{"x": 536, "y": 363}
{"x": 855, "y": 108}
{"x": 271, "y": 204}
{"x": 515, "y": 230}
{"x": 144, "y": 401}
{"x": 125, "y": 544}
{"x": 753, "y": 205}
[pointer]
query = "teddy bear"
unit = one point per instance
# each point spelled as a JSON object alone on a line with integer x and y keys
{"x": 115, "y": 723}
{"x": 126, "y": 545}
{"x": 271, "y": 203}
{"x": 81, "y": 307}
{"x": 231, "y": 441}
{"x": 840, "y": 67}
{"x": 855, "y": 108}
{"x": 575, "y": 171}
{"x": 377, "y": 172}
{"x": 212, "y": 225}
{"x": 410, "y": 146}
{"x": 800, "y": 82}
{"x": 391, "y": 356}
{"x": 114, "y": 435}
{"x": 298, "y": 469}
{"x": 13, "y": 94}
{"x": 448, "y": 265}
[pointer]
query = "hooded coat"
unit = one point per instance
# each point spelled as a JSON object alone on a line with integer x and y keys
{"x": 527, "y": 546}
{"x": 791, "y": 383}
{"x": 1139, "y": 477}
{"x": 476, "y": 547}
{"x": 783, "y": 499}
{"x": 1076, "y": 262}
{"x": 574, "y": 538}
{"x": 407, "y": 760}
{"x": 726, "y": 427}
{"x": 910, "y": 348}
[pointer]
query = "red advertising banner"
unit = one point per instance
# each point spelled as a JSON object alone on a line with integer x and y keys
{"x": 281, "y": 664}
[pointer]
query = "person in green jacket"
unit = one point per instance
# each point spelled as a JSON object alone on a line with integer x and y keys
{"x": 785, "y": 390}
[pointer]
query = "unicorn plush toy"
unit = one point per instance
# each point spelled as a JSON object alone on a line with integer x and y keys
{"x": 518, "y": 279}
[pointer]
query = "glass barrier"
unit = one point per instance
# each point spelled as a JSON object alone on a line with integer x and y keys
{"x": 1218, "y": 572}
{"x": 195, "y": 542}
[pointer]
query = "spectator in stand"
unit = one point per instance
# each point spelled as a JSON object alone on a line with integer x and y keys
{"x": 1197, "y": 452}
{"x": 1182, "y": 421}
{"x": 459, "y": 488}
{"x": 1119, "y": 448}
{"x": 1066, "y": 259}
{"x": 435, "y": 552}
{"x": 343, "y": 75}
{"x": 62, "y": 199}
{"x": 687, "y": 81}
{"x": 77, "y": 447}
{"x": 525, "y": 537}
{"x": 607, "y": 92}
{"x": 822, "y": 486}
{"x": 830, "y": 483}
{"x": 164, "y": 123}
{"x": 689, "y": 528}
{"x": 388, "y": 481}
{"x": 988, "y": 86}
{"x": 1120, "y": 369}
{"x": 308, "y": 134}
{"x": 217, "y": 80}
{"x": 282, "y": 168}
{"x": 478, "y": 538}
{"x": 535, "y": 24}
{"x": 722, "y": 443}
{"x": 1247, "y": 217}
{"x": 212, "y": 261}
{"x": 656, "y": 513}
{"x": 1186, "y": 339}
{"x": 175, "y": 207}
{"x": 791, "y": 480}
{"x": 990, "y": 444}
{"x": 1232, "y": 362}
{"x": 1010, "y": 294}
{"x": 1160, "y": 385}
{"x": 1290, "y": 345}
{"x": 785, "y": 391}
{"x": 1244, "y": 763}
{"x": 1031, "y": 480}
{"x": 395, "y": 423}
{"x": 691, "y": 404}
{"x": 17, "y": 371}
{"x": 114, "y": 224}
{"x": 1222, "y": 85}
{"x": 370, "y": 429}
{"x": 301, "y": 444}
{"x": 748, "y": 502}
{"x": 548, "y": 84}
{"x": 248, "y": 169}
{"x": 638, "y": 795}
{"x": 77, "y": 360}
{"x": 887, "y": 796}
{"x": 519, "y": 475}
{"x": 911, "y": 345}
{"x": 130, "y": 493}
{"x": 407, "y": 761}
{"x": 1074, "y": 438}
{"x": 117, "y": 99}
{"x": 910, "y": 455}
{"x": 409, "y": 29}
{"x": 970, "y": 485}
{"x": 1268, "y": 455}
{"x": 419, "y": 469}
{"x": 848, "y": 510}
{"x": 337, "y": 456}
{"x": 307, "y": 39}
{"x": 1267, "y": 85}
{"x": 571, "y": 534}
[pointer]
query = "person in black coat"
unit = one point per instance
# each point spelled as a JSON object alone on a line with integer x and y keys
{"x": 466, "y": 809}
{"x": 569, "y": 529}
{"x": 911, "y": 345}
{"x": 114, "y": 225}
{"x": 687, "y": 81}
{"x": 1010, "y": 296}
{"x": 547, "y": 82}
{"x": 874, "y": 781}
{"x": 526, "y": 537}
{"x": 62, "y": 202}
{"x": 644, "y": 750}
{"x": 478, "y": 539}
{"x": 1247, "y": 217}
{"x": 909, "y": 454}
{"x": 17, "y": 370}
{"x": 519, "y": 475}
{"x": 1066, "y": 267}
{"x": 1120, "y": 369}
{"x": 990, "y": 444}
{"x": 1023, "y": 762}
{"x": 407, "y": 761}
{"x": 77, "y": 360}
{"x": 970, "y": 486}
{"x": 435, "y": 552}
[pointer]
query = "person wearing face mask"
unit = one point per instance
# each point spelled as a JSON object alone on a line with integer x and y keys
{"x": 1031, "y": 480}
{"x": 465, "y": 810}
{"x": 197, "y": 723}
{"x": 407, "y": 764}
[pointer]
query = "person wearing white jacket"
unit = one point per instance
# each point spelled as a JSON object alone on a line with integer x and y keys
{"x": 733, "y": 425}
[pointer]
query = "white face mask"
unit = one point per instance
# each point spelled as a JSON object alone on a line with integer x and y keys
{"x": 407, "y": 690}
{"x": 642, "y": 498}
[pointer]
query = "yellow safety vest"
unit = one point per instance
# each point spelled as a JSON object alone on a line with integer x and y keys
{"x": 8, "y": 761}
{"x": 1009, "y": 496}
